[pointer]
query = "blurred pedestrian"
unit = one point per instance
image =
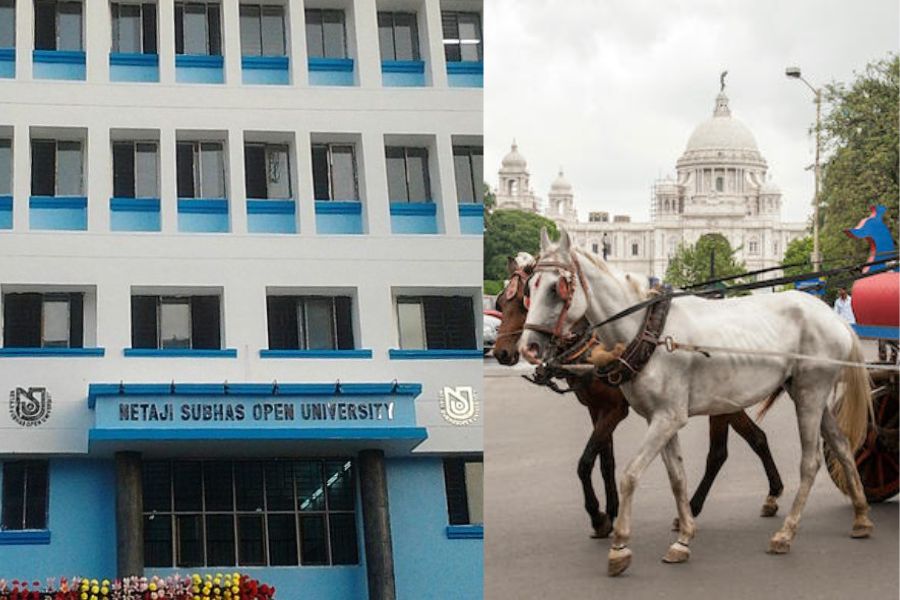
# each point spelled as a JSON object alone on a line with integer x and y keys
{"x": 843, "y": 307}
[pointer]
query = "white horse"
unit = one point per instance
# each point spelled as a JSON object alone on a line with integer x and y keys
{"x": 676, "y": 385}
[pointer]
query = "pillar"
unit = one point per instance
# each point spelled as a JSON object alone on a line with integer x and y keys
{"x": 376, "y": 525}
{"x": 129, "y": 515}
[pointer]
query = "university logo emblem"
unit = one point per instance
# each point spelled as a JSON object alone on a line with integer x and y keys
{"x": 459, "y": 405}
{"x": 29, "y": 407}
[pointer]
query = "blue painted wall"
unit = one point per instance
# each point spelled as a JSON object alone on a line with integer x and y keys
{"x": 199, "y": 69}
{"x": 402, "y": 73}
{"x": 203, "y": 215}
{"x": 426, "y": 563}
{"x": 134, "y": 214}
{"x": 338, "y": 217}
{"x": 266, "y": 70}
{"x": 413, "y": 217}
{"x": 6, "y": 218}
{"x": 7, "y": 63}
{"x": 331, "y": 71}
{"x": 471, "y": 219}
{"x": 65, "y": 213}
{"x": 465, "y": 74}
{"x": 82, "y": 525}
{"x": 58, "y": 64}
{"x": 271, "y": 216}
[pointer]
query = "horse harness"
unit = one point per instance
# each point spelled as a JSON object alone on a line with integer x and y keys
{"x": 625, "y": 367}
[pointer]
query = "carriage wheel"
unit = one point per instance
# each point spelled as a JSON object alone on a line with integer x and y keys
{"x": 876, "y": 460}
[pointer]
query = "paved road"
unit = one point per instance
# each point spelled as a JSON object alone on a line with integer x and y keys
{"x": 537, "y": 543}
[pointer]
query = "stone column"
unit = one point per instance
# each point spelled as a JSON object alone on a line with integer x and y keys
{"x": 129, "y": 515}
{"x": 376, "y": 525}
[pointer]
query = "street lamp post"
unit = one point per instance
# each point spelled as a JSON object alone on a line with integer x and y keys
{"x": 794, "y": 73}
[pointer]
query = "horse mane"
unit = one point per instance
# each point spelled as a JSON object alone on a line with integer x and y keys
{"x": 637, "y": 283}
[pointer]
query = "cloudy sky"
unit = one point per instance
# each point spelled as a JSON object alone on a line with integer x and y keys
{"x": 610, "y": 90}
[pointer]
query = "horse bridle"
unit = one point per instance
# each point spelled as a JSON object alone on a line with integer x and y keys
{"x": 519, "y": 277}
{"x": 565, "y": 288}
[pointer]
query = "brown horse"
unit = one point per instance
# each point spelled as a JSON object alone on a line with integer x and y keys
{"x": 608, "y": 407}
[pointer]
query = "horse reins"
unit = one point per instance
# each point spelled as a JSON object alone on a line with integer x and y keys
{"x": 565, "y": 289}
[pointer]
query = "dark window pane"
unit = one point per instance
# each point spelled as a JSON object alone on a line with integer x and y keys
{"x": 251, "y": 544}
{"x": 69, "y": 26}
{"x": 451, "y": 36}
{"x": 386, "y": 36}
{"x": 13, "y": 508}
{"x": 185, "y": 166}
{"x": 189, "y": 529}
{"x": 157, "y": 486}
{"x": 396, "y": 173}
{"x": 187, "y": 485}
{"x": 215, "y": 29}
{"x": 319, "y": 324}
{"x": 7, "y": 23}
{"x": 179, "y": 28}
{"x": 310, "y": 485}
{"x": 149, "y": 28}
{"x": 205, "y": 327}
{"x": 313, "y": 546}
{"x": 157, "y": 540}
{"x": 339, "y": 479}
{"x": 343, "y": 173}
{"x": 344, "y": 318}
{"x": 255, "y": 170}
{"x": 76, "y": 320}
{"x": 314, "y": 40}
{"x": 43, "y": 168}
{"x": 455, "y": 484}
{"x": 282, "y": 319}
{"x": 248, "y": 482}
{"x": 218, "y": 485}
{"x": 220, "y": 540}
{"x": 406, "y": 43}
{"x": 282, "y": 540}
{"x": 143, "y": 322}
{"x": 6, "y": 167}
{"x": 320, "y": 172}
{"x": 462, "y": 168}
{"x": 449, "y": 322}
{"x": 279, "y": 486}
{"x": 333, "y": 28}
{"x": 417, "y": 164}
{"x": 478, "y": 173}
{"x": 272, "y": 24}
{"x": 344, "y": 544}
{"x": 251, "y": 44}
{"x": 123, "y": 170}
{"x": 44, "y": 25}
{"x": 36, "y": 495}
{"x": 22, "y": 320}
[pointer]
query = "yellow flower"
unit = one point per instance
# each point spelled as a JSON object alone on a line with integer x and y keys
{"x": 95, "y": 589}
{"x": 196, "y": 578}
{"x": 152, "y": 586}
{"x": 84, "y": 596}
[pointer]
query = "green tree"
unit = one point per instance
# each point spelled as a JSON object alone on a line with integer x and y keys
{"x": 691, "y": 263}
{"x": 860, "y": 132}
{"x": 798, "y": 251}
{"x": 508, "y": 232}
{"x": 489, "y": 199}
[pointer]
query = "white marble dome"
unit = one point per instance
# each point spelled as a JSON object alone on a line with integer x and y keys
{"x": 561, "y": 185}
{"x": 513, "y": 161}
{"x": 721, "y": 131}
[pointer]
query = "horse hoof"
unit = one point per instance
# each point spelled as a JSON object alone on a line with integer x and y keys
{"x": 779, "y": 545}
{"x": 676, "y": 524}
{"x": 603, "y": 528}
{"x": 770, "y": 508}
{"x": 619, "y": 560}
{"x": 862, "y": 530}
{"x": 677, "y": 553}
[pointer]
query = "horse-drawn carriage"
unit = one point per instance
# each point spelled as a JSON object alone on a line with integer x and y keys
{"x": 877, "y": 309}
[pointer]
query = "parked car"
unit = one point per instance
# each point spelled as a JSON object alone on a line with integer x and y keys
{"x": 492, "y": 319}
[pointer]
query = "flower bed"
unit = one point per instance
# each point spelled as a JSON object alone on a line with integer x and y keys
{"x": 232, "y": 586}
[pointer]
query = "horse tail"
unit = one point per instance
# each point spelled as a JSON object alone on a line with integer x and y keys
{"x": 855, "y": 405}
{"x": 768, "y": 403}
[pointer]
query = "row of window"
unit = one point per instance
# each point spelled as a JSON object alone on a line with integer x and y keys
{"x": 58, "y": 169}
{"x": 307, "y": 322}
{"x": 225, "y": 513}
{"x": 607, "y": 248}
{"x": 59, "y": 25}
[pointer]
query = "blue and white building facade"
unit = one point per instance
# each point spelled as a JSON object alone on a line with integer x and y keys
{"x": 239, "y": 286}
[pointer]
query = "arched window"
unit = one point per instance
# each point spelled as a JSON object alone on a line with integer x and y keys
{"x": 720, "y": 184}
{"x": 635, "y": 248}
{"x": 513, "y": 187}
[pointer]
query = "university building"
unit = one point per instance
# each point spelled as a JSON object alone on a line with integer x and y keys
{"x": 721, "y": 186}
{"x": 240, "y": 292}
